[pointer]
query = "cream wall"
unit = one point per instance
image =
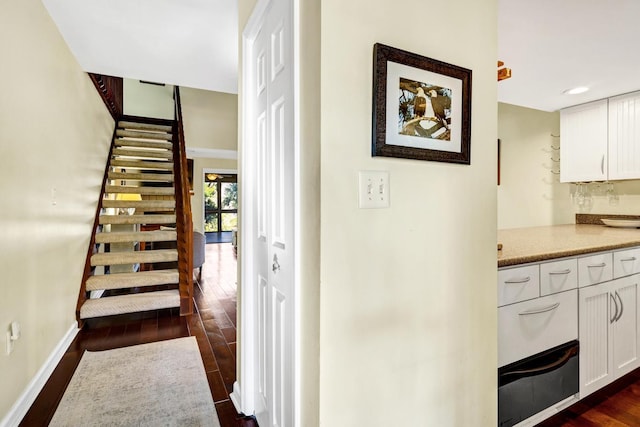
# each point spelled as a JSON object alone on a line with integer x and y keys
{"x": 529, "y": 193}
{"x": 210, "y": 119}
{"x": 210, "y": 123}
{"x": 148, "y": 100}
{"x": 55, "y": 134}
{"x": 408, "y": 303}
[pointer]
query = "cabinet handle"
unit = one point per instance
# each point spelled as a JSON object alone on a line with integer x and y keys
{"x": 631, "y": 258}
{"x": 615, "y": 316}
{"x": 602, "y": 264}
{"x": 522, "y": 280}
{"x": 540, "y": 310}
{"x": 567, "y": 271}
{"x": 621, "y": 306}
{"x": 602, "y": 165}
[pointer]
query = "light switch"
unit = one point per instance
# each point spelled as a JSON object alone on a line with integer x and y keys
{"x": 373, "y": 189}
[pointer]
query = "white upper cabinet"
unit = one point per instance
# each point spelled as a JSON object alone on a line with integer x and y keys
{"x": 583, "y": 144}
{"x": 624, "y": 136}
{"x": 601, "y": 140}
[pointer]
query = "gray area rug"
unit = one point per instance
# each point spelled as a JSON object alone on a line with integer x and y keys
{"x": 158, "y": 384}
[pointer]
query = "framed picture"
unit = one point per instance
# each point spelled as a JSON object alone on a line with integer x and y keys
{"x": 421, "y": 107}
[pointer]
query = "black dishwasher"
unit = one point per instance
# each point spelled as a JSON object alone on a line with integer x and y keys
{"x": 531, "y": 385}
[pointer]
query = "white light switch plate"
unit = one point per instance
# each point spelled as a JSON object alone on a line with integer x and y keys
{"x": 373, "y": 189}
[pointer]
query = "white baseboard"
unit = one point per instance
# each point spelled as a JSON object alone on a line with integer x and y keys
{"x": 24, "y": 402}
{"x": 235, "y": 398}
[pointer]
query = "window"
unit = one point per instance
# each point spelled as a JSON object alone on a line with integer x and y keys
{"x": 220, "y": 202}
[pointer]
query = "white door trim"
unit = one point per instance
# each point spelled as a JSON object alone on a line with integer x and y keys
{"x": 244, "y": 388}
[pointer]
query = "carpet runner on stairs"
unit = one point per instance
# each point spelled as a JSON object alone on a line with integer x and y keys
{"x": 137, "y": 238}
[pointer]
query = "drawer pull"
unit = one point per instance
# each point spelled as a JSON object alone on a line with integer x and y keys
{"x": 632, "y": 258}
{"x": 567, "y": 271}
{"x": 602, "y": 264}
{"x": 522, "y": 280}
{"x": 540, "y": 310}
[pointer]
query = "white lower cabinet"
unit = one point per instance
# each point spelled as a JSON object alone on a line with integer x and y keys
{"x": 608, "y": 332}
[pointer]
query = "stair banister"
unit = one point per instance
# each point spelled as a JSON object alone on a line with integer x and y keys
{"x": 184, "y": 222}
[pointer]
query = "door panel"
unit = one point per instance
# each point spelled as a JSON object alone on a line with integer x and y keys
{"x": 272, "y": 115}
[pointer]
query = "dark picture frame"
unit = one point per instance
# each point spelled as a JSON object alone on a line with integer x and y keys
{"x": 421, "y": 107}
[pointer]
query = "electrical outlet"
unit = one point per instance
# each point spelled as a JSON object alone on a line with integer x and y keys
{"x": 373, "y": 189}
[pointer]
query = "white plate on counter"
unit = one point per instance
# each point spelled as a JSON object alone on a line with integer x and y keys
{"x": 622, "y": 223}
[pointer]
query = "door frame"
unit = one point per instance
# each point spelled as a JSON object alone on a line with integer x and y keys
{"x": 245, "y": 385}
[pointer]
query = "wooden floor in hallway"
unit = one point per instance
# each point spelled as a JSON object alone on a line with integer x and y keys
{"x": 213, "y": 325}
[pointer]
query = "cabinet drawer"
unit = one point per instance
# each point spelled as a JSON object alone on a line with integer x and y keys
{"x": 530, "y": 327}
{"x": 595, "y": 269}
{"x": 518, "y": 284}
{"x": 558, "y": 276}
{"x": 626, "y": 262}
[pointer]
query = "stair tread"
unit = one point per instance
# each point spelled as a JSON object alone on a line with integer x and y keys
{"x": 136, "y": 236}
{"x": 144, "y": 144}
{"x": 142, "y": 153}
{"x": 139, "y": 125}
{"x": 132, "y": 280}
{"x": 136, "y": 176}
{"x": 141, "y": 164}
{"x": 137, "y": 219}
{"x": 141, "y": 205}
{"x": 134, "y": 257}
{"x": 147, "y": 191}
{"x": 132, "y": 303}
{"x": 143, "y": 134}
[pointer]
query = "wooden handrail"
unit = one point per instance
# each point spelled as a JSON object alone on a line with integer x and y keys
{"x": 111, "y": 91}
{"x": 184, "y": 222}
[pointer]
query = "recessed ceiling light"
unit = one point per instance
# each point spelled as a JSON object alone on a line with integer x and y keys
{"x": 576, "y": 90}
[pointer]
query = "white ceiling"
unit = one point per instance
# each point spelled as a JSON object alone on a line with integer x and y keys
{"x": 551, "y": 45}
{"x": 555, "y": 45}
{"x": 191, "y": 43}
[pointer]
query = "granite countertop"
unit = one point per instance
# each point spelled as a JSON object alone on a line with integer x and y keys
{"x": 535, "y": 244}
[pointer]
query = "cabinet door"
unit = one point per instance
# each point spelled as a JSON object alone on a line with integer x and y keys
{"x": 624, "y": 134}
{"x": 583, "y": 143}
{"x": 624, "y": 329}
{"x": 596, "y": 310}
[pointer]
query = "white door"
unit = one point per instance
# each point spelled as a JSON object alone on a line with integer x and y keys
{"x": 269, "y": 248}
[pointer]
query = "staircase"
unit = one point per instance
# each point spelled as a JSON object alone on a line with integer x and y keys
{"x": 135, "y": 267}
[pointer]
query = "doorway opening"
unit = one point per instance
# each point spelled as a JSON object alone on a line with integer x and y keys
{"x": 220, "y": 206}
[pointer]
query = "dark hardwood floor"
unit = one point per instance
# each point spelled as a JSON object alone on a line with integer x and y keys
{"x": 213, "y": 326}
{"x": 616, "y": 405}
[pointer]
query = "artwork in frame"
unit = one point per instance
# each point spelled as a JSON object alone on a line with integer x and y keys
{"x": 421, "y": 107}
